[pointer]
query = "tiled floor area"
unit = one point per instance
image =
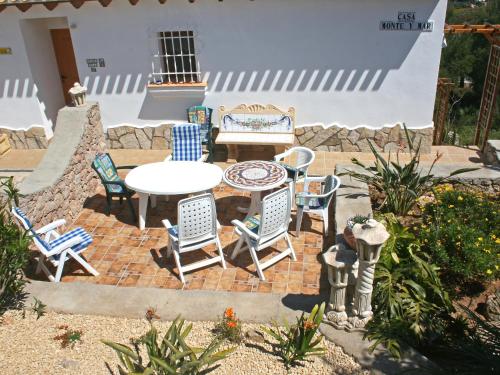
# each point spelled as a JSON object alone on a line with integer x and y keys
{"x": 125, "y": 256}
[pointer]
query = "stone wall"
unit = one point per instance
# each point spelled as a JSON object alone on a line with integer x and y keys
{"x": 64, "y": 178}
{"x": 147, "y": 138}
{"x": 33, "y": 138}
{"x": 336, "y": 138}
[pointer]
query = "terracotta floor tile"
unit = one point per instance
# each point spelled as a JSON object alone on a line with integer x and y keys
{"x": 144, "y": 281}
{"x": 264, "y": 287}
{"x": 294, "y": 288}
{"x": 210, "y": 284}
{"x": 127, "y": 256}
{"x": 107, "y": 280}
{"x": 241, "y": 288}
{"x": 129, "y": 280}
{"x": 195, "y": 284}
{"x": 279, "y": 287}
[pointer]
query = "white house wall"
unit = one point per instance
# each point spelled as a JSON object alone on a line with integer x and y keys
{"x": 326, "y": 58}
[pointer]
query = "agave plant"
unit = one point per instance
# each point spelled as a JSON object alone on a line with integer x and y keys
{"x": 170, "y": 355}
{"x": 478, "y": 351}
{"x": 401, "y": 184}
{"x": 299, "y": 341}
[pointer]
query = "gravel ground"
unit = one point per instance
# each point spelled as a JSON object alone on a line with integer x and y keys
{"x": 27, "y": 346}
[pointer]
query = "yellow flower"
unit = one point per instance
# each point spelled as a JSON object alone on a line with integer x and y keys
{"x": 493, "y": 236}
{"x": 497, "y": 241}
{"x": 496, "y": 267}
{"x": 451, "y": 206}
{"x": 489, "y": 272}
{"x": 480, "y": 239}
{"x": 460, "y": 198}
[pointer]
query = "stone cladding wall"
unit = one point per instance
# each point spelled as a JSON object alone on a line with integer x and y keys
{"x": 336, "y": 138}
{"x": 147, "y": 138}
{"x": 65, "y": 197}
{"x": 33, "y": 138}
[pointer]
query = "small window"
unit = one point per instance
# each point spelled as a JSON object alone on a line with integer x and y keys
{"x": 176, "y": 60}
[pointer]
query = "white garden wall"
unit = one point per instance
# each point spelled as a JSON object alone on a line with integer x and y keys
{"x": 326, "y": 58}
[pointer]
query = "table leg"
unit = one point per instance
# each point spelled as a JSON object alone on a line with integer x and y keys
{"x": 255, "y": 203}
{"x": 153, "y": 200}
{"x": 143, "y": 207}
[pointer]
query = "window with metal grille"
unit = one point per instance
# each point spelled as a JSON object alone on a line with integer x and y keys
{"x": 175, "y": 60}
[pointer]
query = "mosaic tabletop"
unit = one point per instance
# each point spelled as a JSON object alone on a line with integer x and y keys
{"x": 255, "y": 175}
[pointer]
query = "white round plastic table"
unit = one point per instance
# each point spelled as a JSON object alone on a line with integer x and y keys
{"x": 255, "y": 176}
{"x": 170, "y": 178}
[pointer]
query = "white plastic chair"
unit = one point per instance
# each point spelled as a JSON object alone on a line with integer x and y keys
{"x": 197, "y": 228}
{"x": 57, "y": 248}
{"x": 316, "y": 203}
{"x": 297, "y": 171}
{"x": 262, "y": 230}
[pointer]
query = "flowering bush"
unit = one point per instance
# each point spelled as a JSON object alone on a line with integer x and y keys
{"x": 461, "y": 233}
{"x": 298, "y": 341}
{"x": 229, "y": 327}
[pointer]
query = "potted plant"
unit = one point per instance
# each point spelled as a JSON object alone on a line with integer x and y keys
{"x": 348, "y": 236}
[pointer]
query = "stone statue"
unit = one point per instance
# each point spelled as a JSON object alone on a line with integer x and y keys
{"x": 78, "y": 94}
{"x": 346, "y": 268}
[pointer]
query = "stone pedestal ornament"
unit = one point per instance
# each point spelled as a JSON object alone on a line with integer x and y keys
{"x": 370, "y": 238}
{"x": 78, "y": 94}
{"x": 340, "y": 261}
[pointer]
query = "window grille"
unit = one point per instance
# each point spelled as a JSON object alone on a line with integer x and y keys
{"x": 175, "y": 60}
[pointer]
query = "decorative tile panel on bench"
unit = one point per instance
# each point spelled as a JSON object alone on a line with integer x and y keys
{"x": 255, "y": 125}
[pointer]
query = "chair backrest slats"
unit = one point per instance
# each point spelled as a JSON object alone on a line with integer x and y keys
{"x": 275, "y": 214}
{"x": 186, "y": 141}
{"x": 304, "y": 156}
{"x": 329, "y": 186}
{"x": 197, "y": 219}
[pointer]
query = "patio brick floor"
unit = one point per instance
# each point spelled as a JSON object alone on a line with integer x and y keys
{"x": 126, "y": 256}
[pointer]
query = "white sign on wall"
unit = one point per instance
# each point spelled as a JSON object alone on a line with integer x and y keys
{"x": 407, "y": 22}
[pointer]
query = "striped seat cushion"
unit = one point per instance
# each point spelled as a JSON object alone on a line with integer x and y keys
{"x": 29, "y": 227}
{"x": 173, "y": 231}
{"x": 187, "y": 142}
{"x": 86, "y": 240}
{"x": 301, "y": 200}
{"x": 252, "y": 223}
{"x": 107, "y": 172}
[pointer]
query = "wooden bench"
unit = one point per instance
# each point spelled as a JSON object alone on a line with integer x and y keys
{"x": 255, "y": 125}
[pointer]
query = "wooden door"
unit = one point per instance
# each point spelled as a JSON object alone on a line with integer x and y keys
{"x": 66, "y": 63}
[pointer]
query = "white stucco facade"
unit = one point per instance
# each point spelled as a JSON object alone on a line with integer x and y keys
{"x": 327, "y": 58}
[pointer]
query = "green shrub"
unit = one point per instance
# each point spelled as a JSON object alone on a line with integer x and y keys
{"x": 400, "y": 184}
{"x": 14, "y": 249}
{"x": 297, "y": 342}
{"x": 461, "y": 233}
{"x": 409, "y": 303}
{"x": 170, "y": 355}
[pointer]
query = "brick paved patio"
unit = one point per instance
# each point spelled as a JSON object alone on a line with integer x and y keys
{"x": 126, "y": 256}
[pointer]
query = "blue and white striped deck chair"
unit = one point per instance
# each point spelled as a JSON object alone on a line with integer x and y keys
{"x": 186, "y": 143}
{"x": 57, "y": 248}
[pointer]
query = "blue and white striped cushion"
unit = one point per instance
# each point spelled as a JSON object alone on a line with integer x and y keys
{"x": 28, "y": 226}
{"x": 86, "y": 239}
{"x": 187, "y": 142}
